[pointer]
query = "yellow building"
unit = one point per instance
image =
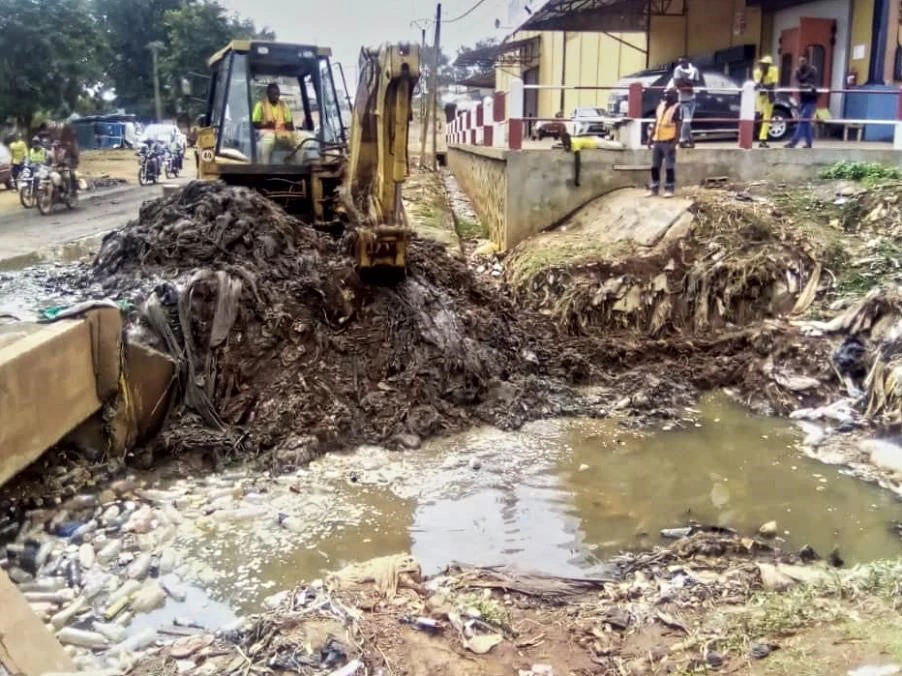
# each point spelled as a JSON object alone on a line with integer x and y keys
{"x": 607, "y": 39}
{"x": 568, "y": 58}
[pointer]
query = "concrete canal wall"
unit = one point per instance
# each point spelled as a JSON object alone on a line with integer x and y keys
{"x": 518, "y": 193}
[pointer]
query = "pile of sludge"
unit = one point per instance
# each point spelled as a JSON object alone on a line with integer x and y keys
{"x": 280, "y": 344}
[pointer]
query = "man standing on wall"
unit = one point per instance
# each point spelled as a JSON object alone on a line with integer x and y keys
{"x": 806, "y": 78}
{"x": 663, "y": 143}
{"x": 766, "y": 77}
{"x": 685, "y": 77}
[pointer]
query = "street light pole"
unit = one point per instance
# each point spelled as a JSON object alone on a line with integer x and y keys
{"x": 155, "y": 48}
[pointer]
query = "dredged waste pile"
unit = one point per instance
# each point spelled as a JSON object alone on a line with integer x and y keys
{"x": 279, "y": 343}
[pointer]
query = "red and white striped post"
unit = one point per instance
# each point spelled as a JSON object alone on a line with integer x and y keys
{"x": 477, "y": 132}
{"x": 634, "y": 101}
{"x": 515, "y": 114}
{"x": 499, "y": 108}
{"x": 747, "y": 116}
{"x": 488, "y": 119}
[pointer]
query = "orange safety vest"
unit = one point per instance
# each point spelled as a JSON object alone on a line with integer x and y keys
{"x": 275, "y": 113}
{"x": 665, "y": 128}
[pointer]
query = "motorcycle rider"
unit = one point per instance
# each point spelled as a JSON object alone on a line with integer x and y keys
{"x": 38, "y": 153}
{"x": 175, "y": 148}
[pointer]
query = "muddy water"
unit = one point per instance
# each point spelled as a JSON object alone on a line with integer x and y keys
{"x": 559, "y": 496}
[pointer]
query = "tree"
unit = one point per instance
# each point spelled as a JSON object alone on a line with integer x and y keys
{"x": 471, "y": 61}
{"x": 130, "y": 26}
{"x": 50, "y": 54}
{"x": 195, "y": 32}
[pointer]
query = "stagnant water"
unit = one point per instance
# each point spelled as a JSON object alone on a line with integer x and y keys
{"x": 559, "y": 496}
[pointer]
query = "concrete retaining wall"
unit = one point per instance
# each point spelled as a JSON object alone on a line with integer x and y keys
{"x": 483, "y": 177}
{"x": 520, "y": 193}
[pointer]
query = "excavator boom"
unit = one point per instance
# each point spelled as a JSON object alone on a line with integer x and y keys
{"x": 378, "y": 159}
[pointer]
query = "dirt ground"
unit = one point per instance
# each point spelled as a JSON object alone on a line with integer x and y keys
{"x": 100, "y": 167}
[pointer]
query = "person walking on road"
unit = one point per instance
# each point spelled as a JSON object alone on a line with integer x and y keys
{"x": 18, "y": 151}
{"x": 663, "y": 143}
{"x": 807, "y": 81}
{"x": 766, "y": 77}
{"x": 685, "y": 78}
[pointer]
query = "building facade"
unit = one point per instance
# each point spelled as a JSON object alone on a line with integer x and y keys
{"x": 854, "y": 43}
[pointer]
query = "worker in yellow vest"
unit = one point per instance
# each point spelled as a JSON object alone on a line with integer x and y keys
{"x": 766, "y": 77}
{"x": 662, "y": 140}
{"x": 273, "y": 118}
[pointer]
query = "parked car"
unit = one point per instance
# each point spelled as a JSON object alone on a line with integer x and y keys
{"x": 549, "y": 129}
{"x": 718, "y": 102}
{"x": 588, "y": 122}
{"x": 6, "y": 168}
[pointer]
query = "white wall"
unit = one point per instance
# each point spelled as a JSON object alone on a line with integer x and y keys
{"x": 821, "y": 9}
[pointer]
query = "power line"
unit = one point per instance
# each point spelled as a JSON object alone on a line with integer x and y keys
{"x": 465, "y": 14}
{"x": 421, "y": 23}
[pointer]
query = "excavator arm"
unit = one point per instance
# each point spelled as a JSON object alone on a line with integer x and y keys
{"x": 378, "y": 159}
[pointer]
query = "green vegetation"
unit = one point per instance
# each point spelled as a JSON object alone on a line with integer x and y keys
{"x": 467, "y": 229}
{"x": 61, "y": 56}
{"x": 863, "y": 172}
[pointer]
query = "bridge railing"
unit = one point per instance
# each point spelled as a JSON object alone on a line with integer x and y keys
{"x": 499, "y": 120}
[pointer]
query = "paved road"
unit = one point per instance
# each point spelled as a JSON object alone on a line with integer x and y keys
{"x": 26, "y": 231}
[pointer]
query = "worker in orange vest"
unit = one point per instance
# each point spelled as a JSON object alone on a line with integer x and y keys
{"x": 273, "y": 118}
{"x": 662, "y": 140}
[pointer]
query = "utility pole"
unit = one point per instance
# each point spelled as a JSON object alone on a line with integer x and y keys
{"x": 424, "y": 109}
{"x": 155, "y": 48}
{"x": 437, "y": 48}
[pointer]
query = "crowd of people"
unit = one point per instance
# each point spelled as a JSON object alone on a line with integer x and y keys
{"x": 673, "y": 118}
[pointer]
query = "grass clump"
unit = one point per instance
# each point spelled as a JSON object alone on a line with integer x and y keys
{"x": 467, "y": 229}
{"x": 862, "y": 172}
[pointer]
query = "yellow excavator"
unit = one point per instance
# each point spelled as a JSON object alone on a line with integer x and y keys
{"x": 310, "y": 162}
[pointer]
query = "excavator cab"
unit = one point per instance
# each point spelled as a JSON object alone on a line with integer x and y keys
{"x": 298, "y": 163}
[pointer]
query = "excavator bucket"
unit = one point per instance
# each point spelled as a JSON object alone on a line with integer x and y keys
{"x": 384, "y": 246}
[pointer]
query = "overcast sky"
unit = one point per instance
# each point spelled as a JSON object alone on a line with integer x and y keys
{"x": 346, "y": 25}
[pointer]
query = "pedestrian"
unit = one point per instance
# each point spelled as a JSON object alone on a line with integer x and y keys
{"x": 663, "y": 142}
{"x": 766, "y": 77}
{"x": 18, "y": 151}
{"x": 806, "y": 79}
{"x": 685, "y": 78}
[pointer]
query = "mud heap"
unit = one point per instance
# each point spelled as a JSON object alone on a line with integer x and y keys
{"x": 278, "y": 342}
{"x": 711, "y": 262}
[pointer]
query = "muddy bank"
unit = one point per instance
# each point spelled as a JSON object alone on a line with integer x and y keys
{"x": 708, "y": 602}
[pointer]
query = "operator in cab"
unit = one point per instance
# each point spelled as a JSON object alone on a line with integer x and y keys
{"x": 273, "y": 118}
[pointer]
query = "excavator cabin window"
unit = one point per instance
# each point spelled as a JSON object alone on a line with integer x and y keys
{"x": 297, "y": 127}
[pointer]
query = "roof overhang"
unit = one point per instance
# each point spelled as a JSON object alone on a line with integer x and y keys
{"x": 515, "y": 51}
{"x": 600, "y": 16}
{"x": 483, "y": 80}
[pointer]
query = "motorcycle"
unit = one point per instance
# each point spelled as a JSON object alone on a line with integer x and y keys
{"x": 56, "y": 185}
{"x": 150, "y": 159}
{"x": 29, "y": 182}
{"x": 172, "y": 163}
